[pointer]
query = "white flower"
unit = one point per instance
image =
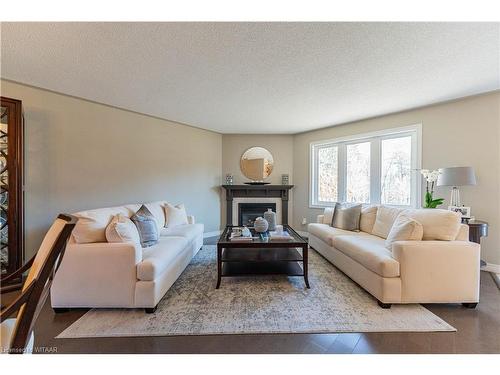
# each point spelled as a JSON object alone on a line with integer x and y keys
{"x": 434, "y": 175}
{"x": 430, "y": 176}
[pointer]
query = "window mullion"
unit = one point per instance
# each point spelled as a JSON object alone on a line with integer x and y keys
{"x": 315, "y": 171}
{"x": 375, "y": 171}
{"x": 342, "y": 171}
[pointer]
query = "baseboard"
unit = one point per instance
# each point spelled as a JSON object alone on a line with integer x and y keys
{"x": 490, "y": 267}
{"x": 212, "y": 234}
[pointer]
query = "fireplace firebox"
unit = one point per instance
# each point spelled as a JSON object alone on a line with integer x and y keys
{"x": 248, "y": 212}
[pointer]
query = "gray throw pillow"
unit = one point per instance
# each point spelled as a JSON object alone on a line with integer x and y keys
{"x": 346, "y": 216}
{"x": 145, "y": 222}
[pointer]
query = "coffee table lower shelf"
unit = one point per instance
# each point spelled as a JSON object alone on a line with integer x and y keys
{"x": 232, "y": 269}
{"x": 238, "y": 262}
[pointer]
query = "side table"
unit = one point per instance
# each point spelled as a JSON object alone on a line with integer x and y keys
{"x": 478, "y": 229}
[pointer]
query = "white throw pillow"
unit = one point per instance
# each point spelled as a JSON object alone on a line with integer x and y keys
{"x": 156, "y": 208}
{"x": 175, "y": 215}
{"x": 328, "y": 215}
{"x": 438, "y": 224}
{"x": 91, "y": 225}
{"x": 367, "y": 218}
{"x": 404, "y": 229}
{"x": 122, "y": 229}
{"x": 384, "y": 220}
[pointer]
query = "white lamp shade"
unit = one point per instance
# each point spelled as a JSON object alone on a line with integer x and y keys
{"x": 456, "y": 176}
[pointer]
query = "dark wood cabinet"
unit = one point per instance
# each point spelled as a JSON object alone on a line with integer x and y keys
{"x": 11, "y": 185}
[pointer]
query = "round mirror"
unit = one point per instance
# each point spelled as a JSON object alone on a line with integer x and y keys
{"x": 256, "y": 163}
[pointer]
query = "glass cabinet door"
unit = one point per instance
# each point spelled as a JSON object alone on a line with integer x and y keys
{"x": 11, "y": 182}
{"x": 4, "y": 189}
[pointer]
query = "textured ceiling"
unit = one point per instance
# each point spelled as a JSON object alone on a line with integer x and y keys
{"x": 256, "y": 77}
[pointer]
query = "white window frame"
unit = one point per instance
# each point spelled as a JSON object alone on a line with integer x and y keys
{"x": 375, "y": 139}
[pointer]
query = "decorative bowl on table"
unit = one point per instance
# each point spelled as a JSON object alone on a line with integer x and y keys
{"x": 260, "y": 225}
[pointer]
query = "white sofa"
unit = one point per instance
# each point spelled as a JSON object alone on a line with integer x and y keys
{"x": 112, "y": 275}
{"x": 426, "y": 271}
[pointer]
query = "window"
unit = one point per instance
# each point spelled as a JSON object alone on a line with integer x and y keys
{"x": 358, "y": 172}
{"x": 328, "y": 174}
{"x": 395, "y": 184}
{"x": 375, "y": 168}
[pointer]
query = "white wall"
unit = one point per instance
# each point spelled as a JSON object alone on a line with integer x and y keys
{"x": 460, "y": 133}
{"x": 83, "y": 155}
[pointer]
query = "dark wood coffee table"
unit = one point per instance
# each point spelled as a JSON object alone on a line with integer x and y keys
{"x": 260, "y": 257}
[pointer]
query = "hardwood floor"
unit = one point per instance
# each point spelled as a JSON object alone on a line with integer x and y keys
{"x": 478, "y": 332}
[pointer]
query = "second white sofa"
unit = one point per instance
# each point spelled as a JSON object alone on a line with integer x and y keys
{"x": 108, "y": 275}
{"x": 428, "y": 271}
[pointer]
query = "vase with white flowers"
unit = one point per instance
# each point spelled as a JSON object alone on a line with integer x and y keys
{"x": 430, "y": 179}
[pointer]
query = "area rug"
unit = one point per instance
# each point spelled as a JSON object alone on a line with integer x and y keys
{"x": 248, "y": 305}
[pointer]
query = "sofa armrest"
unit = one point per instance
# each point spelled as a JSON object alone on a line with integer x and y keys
{"x": 191, "y": 219}
{"x": 438, "y": 271}
{"x": 97, "y": 275}
{"x": 319, "y": 219}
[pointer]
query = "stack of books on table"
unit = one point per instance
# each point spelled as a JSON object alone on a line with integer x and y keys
{"x": 240, "y": 239}
{"x": 279, "y": 236}
{"x": 234, "y": 237}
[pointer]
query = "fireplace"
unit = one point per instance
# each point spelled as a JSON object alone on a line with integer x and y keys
{"x": 268, "y": 194}
{"x": 248, "y": 212}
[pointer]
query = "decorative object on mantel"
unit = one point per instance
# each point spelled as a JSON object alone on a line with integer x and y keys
{"x": 260, "y": 225}
{"x": 229, "y": 179}
{"x": 270, "y": 217}
{"x": 257, "y": 164}
{"x": 430, "y": 179}
{"x": 455, "y": 177}
{"x": 285, "y": 179}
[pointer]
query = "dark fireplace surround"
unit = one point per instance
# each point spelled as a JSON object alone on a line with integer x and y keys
{"x": 257, "y": 191}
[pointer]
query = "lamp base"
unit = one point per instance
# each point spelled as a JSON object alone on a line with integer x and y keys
{"x": 455, "y": 197}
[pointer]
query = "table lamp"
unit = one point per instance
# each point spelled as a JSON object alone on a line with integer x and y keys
{"x": 455, "y": 177}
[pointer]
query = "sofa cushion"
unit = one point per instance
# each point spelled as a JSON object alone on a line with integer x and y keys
{"x": 438, "y": 224}
{"x": 156, "y": 208}
{"x": 370, "y": 252}
{"x": 122, "y": 229}
{"x": 156, "y": 258}
{"x": 384, "y": 220}
{"x": 327, "y": 233}
{"x": 328, "y": 215}
{"x": 91, "y": 225}
{"x": 346, "y": 216}
{"x": 146, "y": 226}
{"x": 188, "y": 231}
{"x": 404, "y": 229}
{"x": 367, "y": 218}
{"x": 175, "y": 215}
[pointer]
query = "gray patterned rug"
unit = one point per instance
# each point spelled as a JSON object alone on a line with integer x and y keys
{"x": 274, "y": 304}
